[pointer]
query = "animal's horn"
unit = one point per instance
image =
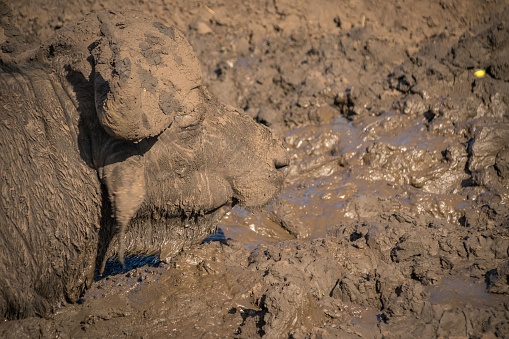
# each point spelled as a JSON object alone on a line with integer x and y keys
{"x": 142, "y": 75}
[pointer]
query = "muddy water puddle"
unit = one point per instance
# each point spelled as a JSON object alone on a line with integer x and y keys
{"x": 251, "y": 228}
{"x": 459, "y": 291}
{"x": 370, "y": 169}
{"x": 350, "y": 170}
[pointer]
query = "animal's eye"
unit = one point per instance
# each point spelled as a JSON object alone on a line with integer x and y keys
{"x": 187, "y": 121}
{"x": 190, "y": 120}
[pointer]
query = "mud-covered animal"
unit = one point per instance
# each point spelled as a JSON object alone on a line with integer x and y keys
{"x": 110, "y": 144}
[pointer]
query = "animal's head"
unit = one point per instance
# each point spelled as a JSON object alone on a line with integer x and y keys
{"x": 173, "y": 150}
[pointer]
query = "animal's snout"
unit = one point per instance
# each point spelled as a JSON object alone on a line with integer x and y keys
{"x": 281, "y": 162}
{"x": 280, "y": 156}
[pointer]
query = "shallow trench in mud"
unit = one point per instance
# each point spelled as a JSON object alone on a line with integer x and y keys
{"x": 394, "y": 218}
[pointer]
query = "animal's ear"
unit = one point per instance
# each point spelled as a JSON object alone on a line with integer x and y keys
{"x": 125, "y": 182}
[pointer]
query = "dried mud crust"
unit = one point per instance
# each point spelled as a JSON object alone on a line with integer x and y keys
{"x": 398, "y": 191}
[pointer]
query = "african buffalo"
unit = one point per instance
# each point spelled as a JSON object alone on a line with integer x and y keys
{"x": 111, "y": 145}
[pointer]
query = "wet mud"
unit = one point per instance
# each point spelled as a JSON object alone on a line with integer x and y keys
{"x": 394, "y": 218}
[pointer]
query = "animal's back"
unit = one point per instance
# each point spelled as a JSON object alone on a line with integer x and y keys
{"x": 50, "y": 199}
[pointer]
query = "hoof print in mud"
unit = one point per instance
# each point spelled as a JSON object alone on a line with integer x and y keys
{"x": 112, "y": 147}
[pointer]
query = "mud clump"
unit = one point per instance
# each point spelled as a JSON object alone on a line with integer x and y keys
{"x": 393, "y": 222}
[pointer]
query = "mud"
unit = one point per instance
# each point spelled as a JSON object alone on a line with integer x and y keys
{"x": 394, "y": 219}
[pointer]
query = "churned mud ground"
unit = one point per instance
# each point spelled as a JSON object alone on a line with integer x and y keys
{"x": 394, "y": 219}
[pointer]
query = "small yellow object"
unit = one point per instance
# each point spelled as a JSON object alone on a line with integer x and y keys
{"x": 479, "y": 73}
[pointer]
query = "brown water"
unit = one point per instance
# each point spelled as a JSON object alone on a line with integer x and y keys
{"x": 461, "y": 291}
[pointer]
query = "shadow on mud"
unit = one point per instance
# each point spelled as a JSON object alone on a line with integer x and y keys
{"x": 114, "y": 267}
{"x": 218, "y": 236}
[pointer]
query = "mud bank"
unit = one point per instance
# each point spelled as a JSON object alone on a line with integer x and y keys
{"x": 394, "y": 220}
